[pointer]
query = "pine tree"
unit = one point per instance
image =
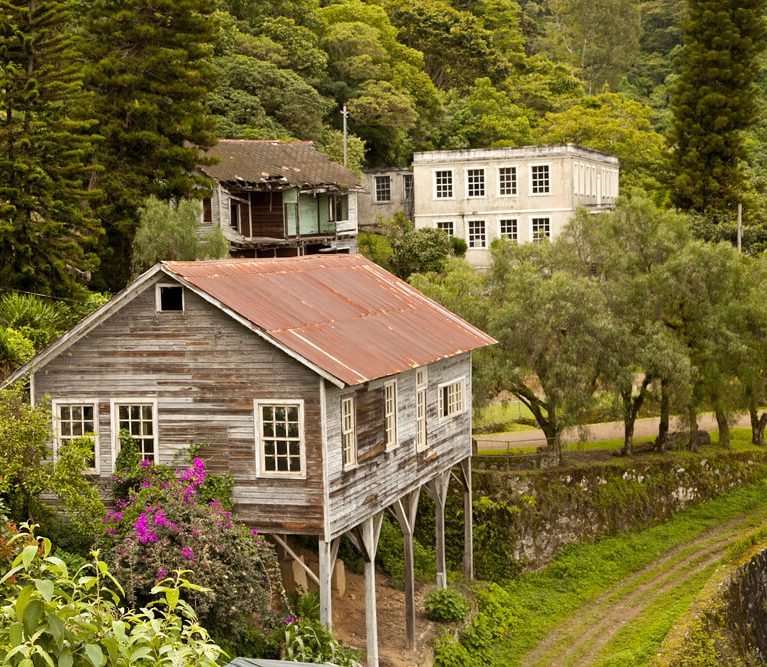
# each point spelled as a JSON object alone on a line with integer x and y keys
{"x": 46, "y": 230}
{"x": 151, "y": 73}
{"x": 713, "y": 101}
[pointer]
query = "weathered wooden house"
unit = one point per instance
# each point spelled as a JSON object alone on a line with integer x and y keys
{"x": 280, "y": 199}
{"x": 330, "y": 390}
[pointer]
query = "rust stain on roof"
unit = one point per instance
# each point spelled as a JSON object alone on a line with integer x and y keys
{"x": 274, "y": 164}
{"x": 343, "y": 313}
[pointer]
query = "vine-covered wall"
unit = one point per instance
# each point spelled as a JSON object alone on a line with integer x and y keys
{"x": 522, "y": 518}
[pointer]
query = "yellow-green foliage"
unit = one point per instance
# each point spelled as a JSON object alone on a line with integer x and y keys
{"x": 49, "y": 615}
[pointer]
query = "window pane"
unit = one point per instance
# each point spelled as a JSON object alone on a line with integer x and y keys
{"x": 268, "y": 413}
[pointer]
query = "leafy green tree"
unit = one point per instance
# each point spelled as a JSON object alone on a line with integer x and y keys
{"x": 698, "y": 293}
{"x": 172, "y": 232}
{"x": 47, "y": 234}
{"x": 612, "y": 123}
{"x": 26, "y": 471}
{"x": 255, "y": 99}
{"x": 623, "y": 252}
{"x": 484, "y": 117}
{"x": 377, "y": 76}
{"x": 405, "y": 250}
{"x": 332, "y": 144}
{"x": 555, "y": 334}
{"x": 150, "y": 71}
{"x": 713, "y": 101}
{"x": 554, "y": 330}
{"x": 599, "y": 37}
{"x": 457, "y": 47}
{"x": 751, "y": 359}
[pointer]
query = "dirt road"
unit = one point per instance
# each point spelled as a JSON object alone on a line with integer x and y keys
{"x": 606, "y": 431}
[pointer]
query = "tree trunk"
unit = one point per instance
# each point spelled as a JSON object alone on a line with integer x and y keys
{"x": 553, "y": 440}
{"x": 758, "y": 422}
{"x": 629, "y": 418}
{"x": 665, "y": 416}
{"x": 724, "y": 427}
{"x": 692, "y": 414}
{"x": 631, "y": 407}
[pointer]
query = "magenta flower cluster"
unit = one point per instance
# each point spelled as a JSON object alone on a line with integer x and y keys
{"x": 194, "y": 476}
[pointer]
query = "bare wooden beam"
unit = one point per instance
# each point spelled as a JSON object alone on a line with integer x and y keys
{"x": 468, "y": 520}
{"x": 405, "y": 510}
{"x": 328, "y": 551}
{"x": 295, "y": 557}
{"x": 365, "y": 538}
{"x": 437, "y": 489}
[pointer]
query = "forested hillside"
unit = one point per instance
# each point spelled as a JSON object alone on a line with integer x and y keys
{"x": 107, "y": 103}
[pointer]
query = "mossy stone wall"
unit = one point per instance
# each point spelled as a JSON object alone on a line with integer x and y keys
{"x": 521, "y": 519}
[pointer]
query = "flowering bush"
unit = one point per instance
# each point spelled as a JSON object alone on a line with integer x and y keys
{"x": 164, "y": 525}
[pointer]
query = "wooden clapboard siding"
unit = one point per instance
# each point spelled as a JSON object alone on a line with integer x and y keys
{"x": 382, "y": 477}
{"x": 204, "y": 370}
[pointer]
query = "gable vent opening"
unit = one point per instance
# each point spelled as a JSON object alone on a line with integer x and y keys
{"x": 170, "y": 298}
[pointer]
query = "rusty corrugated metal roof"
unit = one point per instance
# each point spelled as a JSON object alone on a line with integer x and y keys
{"x": 276, "y": 164}
{"x": 342, "y": 313}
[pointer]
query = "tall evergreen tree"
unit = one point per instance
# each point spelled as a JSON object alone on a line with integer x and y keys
{"x": 46, "y": 231}
{"x": 151, "y": 74}
{"x": 713, "y": 101}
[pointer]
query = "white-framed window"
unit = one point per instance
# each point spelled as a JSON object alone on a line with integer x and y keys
{"x": 576, "y": 186}
{"x": 475, "y": 183}
{"x": 540, "y": 181}
{"x": 383, "y": 188}
{"x": 407, "y": 187}
{"x": 139, "y": 417}
{"x": 168, "y": 297}
{"x": 448, "y": 227}
{"x": 477, "y": 236}
{"x": 507, "y": 181}
{"x": 421, "y": 381}
{"x": 541, "y": 229}
{"x": 390, "y": 414}
{"x": 279, "y": 430}
{"x": 508, "y": 229}
{"x": 451, "y": 398}
{"x": 348, "y": 432}
{"x": 74, "y": 419}
{"x": 443, "y": 184}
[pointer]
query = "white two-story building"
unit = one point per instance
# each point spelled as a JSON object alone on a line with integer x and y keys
{"x": 524, "y": 194}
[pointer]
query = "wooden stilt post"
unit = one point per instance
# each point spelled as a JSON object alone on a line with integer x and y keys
{"x": 405, "y": 510}
{"x": 468, "y": 520}
{"x": 327, "y": 553}
{"x": 365, "y": 538}
{"x": 437, "y": 489}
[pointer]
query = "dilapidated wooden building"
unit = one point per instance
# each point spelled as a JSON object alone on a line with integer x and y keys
{"x": 280, "y": 199}
{"x": 328, "y": 388}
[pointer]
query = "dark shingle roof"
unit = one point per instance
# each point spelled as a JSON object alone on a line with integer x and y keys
{"x": 276, "y": 163}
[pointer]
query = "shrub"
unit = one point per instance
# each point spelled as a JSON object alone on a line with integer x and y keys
{"x": 165, "y": 526}
{"x": 446, "y": 605}
{"x": 310, "y": 641}
{"x": 49, "y": 616}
